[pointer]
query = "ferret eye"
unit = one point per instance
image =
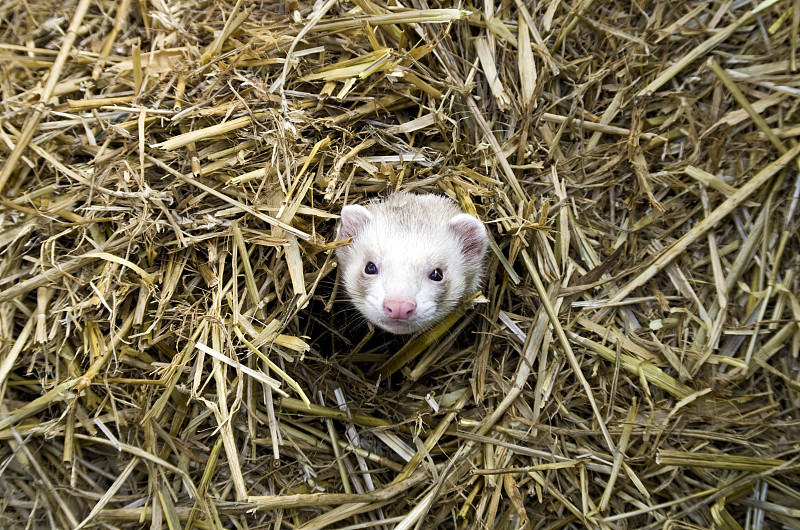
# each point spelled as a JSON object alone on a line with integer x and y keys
{"x": 370, "y": 268}
{"x": 436, "y": 275}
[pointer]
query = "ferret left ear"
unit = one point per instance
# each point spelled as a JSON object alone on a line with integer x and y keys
{"x": 472, "y": 235}
{"x": 354, "y": 218}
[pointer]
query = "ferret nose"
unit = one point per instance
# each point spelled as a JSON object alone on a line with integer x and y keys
{"x": 401, "y": 308}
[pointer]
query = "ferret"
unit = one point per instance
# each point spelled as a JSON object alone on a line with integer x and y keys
{"x": 412, "y": 260}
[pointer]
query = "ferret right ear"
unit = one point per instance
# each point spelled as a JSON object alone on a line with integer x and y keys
{"x": 354, "y": 218}
{"x": 472, "y": 234}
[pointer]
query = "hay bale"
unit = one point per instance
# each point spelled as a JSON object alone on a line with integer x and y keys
{"x": 174, "y": 347}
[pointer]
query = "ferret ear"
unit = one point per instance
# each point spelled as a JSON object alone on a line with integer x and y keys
{"x": 472, "y": 235}
{"x": 354, "y": 218}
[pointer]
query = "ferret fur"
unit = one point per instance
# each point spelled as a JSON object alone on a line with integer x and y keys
{"x": 407, "y": 237}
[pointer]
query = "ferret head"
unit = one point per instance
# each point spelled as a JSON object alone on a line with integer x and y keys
{"x": 412, "y": 260}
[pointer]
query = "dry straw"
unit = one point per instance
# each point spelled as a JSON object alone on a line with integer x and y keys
{"x": 175, "y": 349}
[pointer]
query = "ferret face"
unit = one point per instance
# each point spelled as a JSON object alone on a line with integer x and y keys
{"x": 412, "y": 260}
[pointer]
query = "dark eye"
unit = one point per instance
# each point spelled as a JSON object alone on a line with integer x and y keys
{"x": 370, "y": 268}
{"x": 436, "y": 275}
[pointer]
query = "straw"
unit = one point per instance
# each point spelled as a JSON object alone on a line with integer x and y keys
{"x": 177, "y": 348}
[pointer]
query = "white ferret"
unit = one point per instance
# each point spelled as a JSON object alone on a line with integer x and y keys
{"x": 412, "y": 260}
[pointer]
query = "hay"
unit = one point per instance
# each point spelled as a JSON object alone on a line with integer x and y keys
{"x": 174, "y": 347}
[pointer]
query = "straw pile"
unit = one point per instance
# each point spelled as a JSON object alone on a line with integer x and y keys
{"x": 174, "y": 347}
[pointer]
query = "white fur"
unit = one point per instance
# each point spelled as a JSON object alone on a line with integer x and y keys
{"x": 407, "y": 236}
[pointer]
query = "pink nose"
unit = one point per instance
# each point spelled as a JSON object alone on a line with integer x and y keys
{"x": 401, "y": 308}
